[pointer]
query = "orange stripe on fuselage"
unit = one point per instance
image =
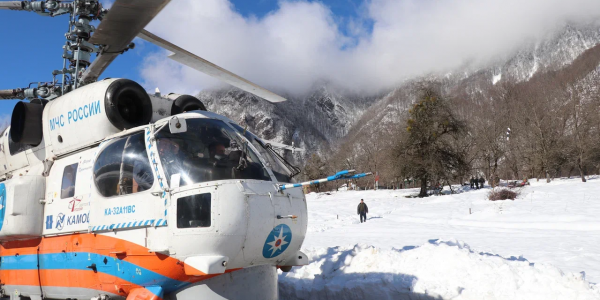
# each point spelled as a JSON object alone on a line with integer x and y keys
{"x": 19, "y": 277}
{"x": 68, "y": 279}
{"x": 93, "y": 243}
{"x": 142, "y": 294}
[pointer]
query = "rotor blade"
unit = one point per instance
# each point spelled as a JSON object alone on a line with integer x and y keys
{"x": 98, "y": 66}
{"x": 12, "y": 5}
{"x": 195, "y": 62}
{"x": 11, "y": 94}
{"x": 118, "y": 28}
{"x": 124, "y": 20}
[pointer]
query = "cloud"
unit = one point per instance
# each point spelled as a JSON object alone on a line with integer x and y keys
{"x": 391, "y": 40}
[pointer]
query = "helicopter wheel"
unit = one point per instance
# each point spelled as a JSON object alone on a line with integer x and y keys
{"x": 286, "y": 269}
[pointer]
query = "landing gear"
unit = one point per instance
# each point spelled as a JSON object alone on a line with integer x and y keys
{"x": 250, "y": 283}
{"x": 285, "y": 269}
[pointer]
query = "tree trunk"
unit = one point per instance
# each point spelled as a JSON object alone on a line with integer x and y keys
{"x": 494, "y": 173}
{"x": 423, "y": 192}
{"x": 571, "y": 171}
{"x": 580, "y": 170}
{"x": 450, "y": 186}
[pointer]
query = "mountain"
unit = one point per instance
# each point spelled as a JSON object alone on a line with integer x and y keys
{"x": 556, "y": 50}
{"x": 570, "y": 50}
{"x": 324, "y": 117}
{"x": 315, "y": 121}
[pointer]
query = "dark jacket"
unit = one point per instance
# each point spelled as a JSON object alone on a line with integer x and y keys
{"x": 362, "y": 208}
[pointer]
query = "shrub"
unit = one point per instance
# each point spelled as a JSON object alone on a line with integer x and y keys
{"x": 502, "y": 194}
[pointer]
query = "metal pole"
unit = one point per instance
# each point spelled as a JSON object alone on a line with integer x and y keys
{"x": 77, "y": 65}
{"x": 346, "y": 174}
{"x": 62, "y": 88}
{"x": 76, "y": 55}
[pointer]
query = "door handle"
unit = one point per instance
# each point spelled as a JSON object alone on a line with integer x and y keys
{"x": 93, "y": 267}
{"x": 287, "y": 217}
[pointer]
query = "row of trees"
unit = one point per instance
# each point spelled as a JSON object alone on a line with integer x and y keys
{"x": 546, "y": 127}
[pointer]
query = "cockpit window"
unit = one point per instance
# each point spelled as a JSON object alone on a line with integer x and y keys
{"x": 209, "y": 150}
{"x": 282, "y": 169}
{"x": 123, "y": 167}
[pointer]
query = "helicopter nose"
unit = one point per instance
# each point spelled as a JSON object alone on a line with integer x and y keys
{"x": 251, "y": 223}
{"x": 276, "y": 227}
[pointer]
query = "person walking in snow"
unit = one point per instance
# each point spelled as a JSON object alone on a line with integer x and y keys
{"x": 481, "y": 181}
{"x": 362, "y": 210}
{"x": 472, "y": 182}
{"x": 476, "y": 183}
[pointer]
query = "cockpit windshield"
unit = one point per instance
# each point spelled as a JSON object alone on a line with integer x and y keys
{"x": 209, "y": 150}
{"x": 282, "y": 169}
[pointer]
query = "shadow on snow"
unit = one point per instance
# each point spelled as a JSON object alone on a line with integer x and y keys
{"x": 335, "y": 284}
{"x": 332, "y": 282}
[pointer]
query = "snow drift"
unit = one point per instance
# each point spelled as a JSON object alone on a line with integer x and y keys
{"x": 435, "y": 270}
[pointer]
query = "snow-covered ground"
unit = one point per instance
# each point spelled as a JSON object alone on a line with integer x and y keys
{"x": 544, "y": 245}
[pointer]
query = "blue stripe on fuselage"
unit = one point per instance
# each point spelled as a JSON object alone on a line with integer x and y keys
{"x": 81, "y": 260}
{"x": 156, "y": 290}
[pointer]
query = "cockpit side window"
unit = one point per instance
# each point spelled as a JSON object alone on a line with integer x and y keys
{"x": 67, "y": 189}
{"x": 194, "y": 211}
{"x": 123, "y": 168}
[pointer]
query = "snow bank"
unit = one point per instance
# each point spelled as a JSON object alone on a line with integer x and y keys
{"x": 436, "y": 270}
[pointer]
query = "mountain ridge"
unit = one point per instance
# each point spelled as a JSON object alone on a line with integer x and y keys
{"x": 326, "y": 117}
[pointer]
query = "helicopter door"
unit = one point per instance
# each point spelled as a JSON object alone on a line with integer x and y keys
{"x": 123, "y": 181}
{"x": 261, "y": 220}
{"x": 288, "y": 212}
{"x": 276, "y": 222}
{"x": 67, "y": 207}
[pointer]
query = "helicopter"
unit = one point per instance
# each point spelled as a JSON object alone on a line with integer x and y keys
{"x": 109, "y": 192}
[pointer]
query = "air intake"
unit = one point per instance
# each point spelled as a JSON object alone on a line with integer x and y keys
{"x": 127, "y": 104}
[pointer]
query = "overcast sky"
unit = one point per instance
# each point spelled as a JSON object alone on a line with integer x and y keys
{"x": 385, "y": 41}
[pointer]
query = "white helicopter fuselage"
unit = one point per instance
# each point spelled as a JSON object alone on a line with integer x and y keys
{"x": 95, "y": 211}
